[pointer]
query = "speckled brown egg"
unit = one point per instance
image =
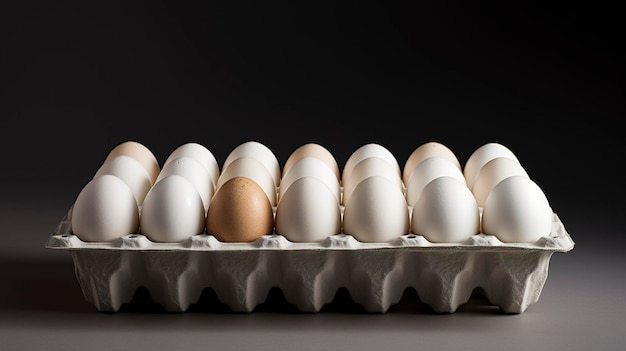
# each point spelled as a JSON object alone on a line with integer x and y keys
{"x": 239, "y": 212}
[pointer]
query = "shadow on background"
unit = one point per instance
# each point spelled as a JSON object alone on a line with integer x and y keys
{"x": 49, "y": 286}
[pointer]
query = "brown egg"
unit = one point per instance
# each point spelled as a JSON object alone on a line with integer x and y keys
{"x": 239, "y": 212}
{"x": 140, "y": 153}
{"x": 312, "y": 150}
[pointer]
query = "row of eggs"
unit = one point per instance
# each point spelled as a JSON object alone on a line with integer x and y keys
{"x": 373, "y": 199}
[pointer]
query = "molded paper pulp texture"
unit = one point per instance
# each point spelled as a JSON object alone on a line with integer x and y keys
{"x": 376, "y": 275}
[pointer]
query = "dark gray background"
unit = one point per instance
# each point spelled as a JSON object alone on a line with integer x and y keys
{"x": 77, "y": 78}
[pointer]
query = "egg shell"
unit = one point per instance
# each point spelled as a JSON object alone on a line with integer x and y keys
{"x": 313, "y": 167}
{"x": 131, "y": 172}
{"x": 376, "y": 211}
{"x": 194, "y": 172}
{"x": 140, "y": 153}
{"x": 427, "y": 170}
{"x": 312, "y": 150}
{"x": 308, "y": 211}
{"x": 172, "y": 211}
{"x": 517, "y": 211}
{"x": 199, "y": 153}
{"x": 424, "y": 151}
{"x": 261, "y": 153}
{"x": 371, "y": 166}
{"x": 446, "y": 212}
{"x": 240, "y": 212}
{"x": 105, "y": 210}
{"x": 251, "y": 168}
{"x": 481, "y": 156}
{"x": 492, "y": 173}
{"x": 366, "y": 151}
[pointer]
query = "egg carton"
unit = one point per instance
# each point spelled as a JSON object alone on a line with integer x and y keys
{"x": 444, "y": 275}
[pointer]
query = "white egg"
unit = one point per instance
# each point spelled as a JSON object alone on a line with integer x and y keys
{"x": 105, "y": 210}
{"x": 131, "y": 172}
{"x": 481, "y": 156}
{"x": 376, "y": 211}
{"x": 371, "y": 166}
{"x": 253, "y": 169}
{"x": 517, "y": 210}
{"x": 172, "y": 211}
{"x": 446, "y": 212}
{"x": 308, "y": 211}
{"x": 194, "y": 172}
{"x": 261, "y": 153}
{"x": 425, "y": 151}
{"x": 427, "y": 170}
{"x": 492, "y": 173}
{"x": 313, "y": 167}
{"x": 199, "y": 153}
{"x": 367, "y": 151}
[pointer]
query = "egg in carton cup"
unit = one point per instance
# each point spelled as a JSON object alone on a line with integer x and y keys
{"x": 313, "y": 239}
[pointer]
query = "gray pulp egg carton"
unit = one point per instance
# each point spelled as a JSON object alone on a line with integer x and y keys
{"x": 376, "y": 275}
